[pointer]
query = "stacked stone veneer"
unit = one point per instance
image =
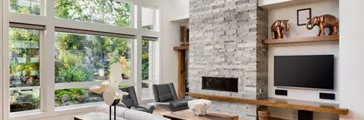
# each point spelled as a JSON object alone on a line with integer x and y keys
{"x": 226, "y": 41}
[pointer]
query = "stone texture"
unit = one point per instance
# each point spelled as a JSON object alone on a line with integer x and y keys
{"x": 226, "y": 41}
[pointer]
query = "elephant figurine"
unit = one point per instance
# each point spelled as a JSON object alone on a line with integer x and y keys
{"x": 278, "y": 27}
{"x": 324, "y": 21}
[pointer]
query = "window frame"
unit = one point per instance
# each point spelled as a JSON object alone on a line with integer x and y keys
{"x": 153, "y": 69}
{"x": 7, "y": 89}
{"x": 47, "y": 18}
{"x": 1, "y": 60}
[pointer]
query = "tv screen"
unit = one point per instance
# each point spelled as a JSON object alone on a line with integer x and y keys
{"x": 309, "y": 71}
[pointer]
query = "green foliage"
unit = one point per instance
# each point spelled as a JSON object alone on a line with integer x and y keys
{"x": 100, "y": 11}
{"x": 123, "y": 86}
{"x": 74, "y": 74}
{"x": 145, "y": 59}
{"x": 76, "y": 94}
{"x": 34, "y": 9}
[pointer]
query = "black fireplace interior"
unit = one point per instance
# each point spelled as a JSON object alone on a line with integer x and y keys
{"x": 220, "y": 84}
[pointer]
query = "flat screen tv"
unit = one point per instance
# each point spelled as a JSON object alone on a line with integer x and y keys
{"x": 308, "y": 71}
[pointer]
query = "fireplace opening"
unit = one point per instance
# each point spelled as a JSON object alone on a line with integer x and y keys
{"x": 220, "y": 84}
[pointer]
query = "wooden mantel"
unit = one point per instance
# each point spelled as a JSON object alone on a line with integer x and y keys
{"x": 281, "y": 103}
{"x": 303, "y": 39}
{"x": 181, "y": 48}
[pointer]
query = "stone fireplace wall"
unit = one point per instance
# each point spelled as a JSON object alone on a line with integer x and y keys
{"x": 226, "y": 41}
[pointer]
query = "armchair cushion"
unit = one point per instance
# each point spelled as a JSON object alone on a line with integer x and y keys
{"x": 178, "y": 105}
{"x": 166, "y": 97}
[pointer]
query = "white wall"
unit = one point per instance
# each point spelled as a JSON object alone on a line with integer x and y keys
{"x": 170, "y": 38}
{"x": 351, "y": 59}
{"x": 290, "y": 13}
{"x": 179, "y": 9}
{"x": 319, "y": 48}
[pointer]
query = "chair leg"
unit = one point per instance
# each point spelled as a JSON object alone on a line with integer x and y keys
{"x": 114, "y": 112}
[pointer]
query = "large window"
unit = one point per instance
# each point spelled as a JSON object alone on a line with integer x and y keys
{"x": 24, "y": 69}
{"x": 57, "y": 49}
{"x": 111, "y": 12}
{"x": 87, "y": 58}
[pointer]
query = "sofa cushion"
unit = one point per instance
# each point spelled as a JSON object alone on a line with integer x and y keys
{"x": 139, "y": 115}
{"x": 105, "y": 109}
{"x": 166, "y": 97}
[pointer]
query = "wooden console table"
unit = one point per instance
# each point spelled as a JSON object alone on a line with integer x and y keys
{"x": 189, "y": 115}
{"x": 281, "y": 103}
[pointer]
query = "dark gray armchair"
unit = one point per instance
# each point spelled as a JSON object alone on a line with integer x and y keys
{"x": 165, "y": 93}
{"x": 131, "y": 101}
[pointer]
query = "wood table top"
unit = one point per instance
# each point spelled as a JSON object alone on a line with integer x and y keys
{"x": 189, "y": 115}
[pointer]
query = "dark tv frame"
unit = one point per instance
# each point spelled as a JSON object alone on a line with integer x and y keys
{"x": 311, "y": 88}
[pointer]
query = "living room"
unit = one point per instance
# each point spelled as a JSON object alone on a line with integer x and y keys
{"x": 181, "y": 59}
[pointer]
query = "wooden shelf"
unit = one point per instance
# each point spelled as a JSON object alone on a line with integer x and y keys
{"x": 281, "y": 103}
{"x": 178, "y": 48}
{"x": 302, "y": 40}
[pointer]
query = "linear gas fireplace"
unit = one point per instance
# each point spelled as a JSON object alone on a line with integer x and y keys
{"x": 220, "y": 84}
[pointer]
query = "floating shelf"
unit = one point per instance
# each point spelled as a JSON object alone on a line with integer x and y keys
{"x": 302, "y": 40}
{"x": 281, "y": 103}
{"x": 181, "y": 48}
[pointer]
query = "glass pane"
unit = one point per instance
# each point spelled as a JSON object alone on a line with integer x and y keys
{"x": 74, "y": 96}
{"x": 25, "y": 6}
{"x": 24, "y": 69}
{"x": 85, "y": 58}
{"x": 147, "y": 55}
{"x": 147, "y": 91}
{"x": 24, "y": 57}
{"x": 22, "y": 100}
{"x": 145, "y": 60}
{"x": 148, "y": 18}
{"x": 111, "y": 12}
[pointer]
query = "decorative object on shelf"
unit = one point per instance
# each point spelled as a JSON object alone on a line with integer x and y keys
{"x": 324, "y": 21}
{"x": 184, "y": 33}
{"x": 263, "y": 114}
{"x": 278, "y": 28}
{"x": 199, "y": 106}
{"x": 111, "y": 93}
{"x": 303, "y": 15}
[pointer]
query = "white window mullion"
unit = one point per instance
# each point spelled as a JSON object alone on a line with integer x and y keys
{"x": 47, "y": 58}
{"x": 1, "y": 63}
{"x": 47, "y": 69}
{"x": 5, "y": 61}
{"x": 138, "y": 66}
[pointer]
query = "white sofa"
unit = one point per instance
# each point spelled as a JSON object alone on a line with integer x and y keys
{"x": 129, "y": 114}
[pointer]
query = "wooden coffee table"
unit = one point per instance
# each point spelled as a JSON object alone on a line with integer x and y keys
{"x": 189, "y": 115}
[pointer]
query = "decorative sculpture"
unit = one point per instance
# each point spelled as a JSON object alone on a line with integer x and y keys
{"x": 278, "y": 28}
{"x": 200, "y": 106}
{"x": 111, "y": 93}
{"x": 324, "y": 21}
